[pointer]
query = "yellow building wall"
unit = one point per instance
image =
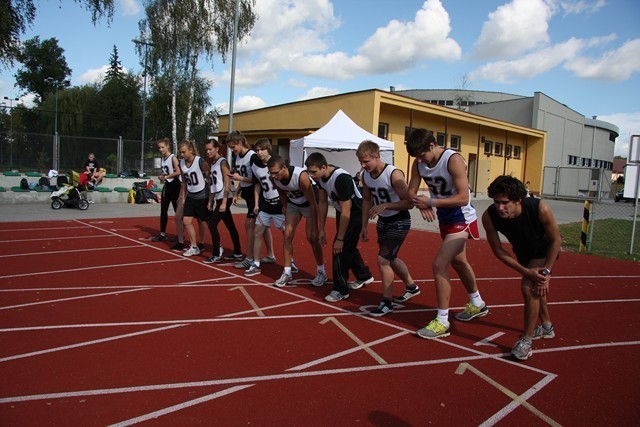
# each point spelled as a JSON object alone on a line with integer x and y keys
{"x": 370, "y": 108}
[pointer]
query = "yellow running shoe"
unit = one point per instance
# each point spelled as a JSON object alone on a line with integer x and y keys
{"x": 435, "y": 329}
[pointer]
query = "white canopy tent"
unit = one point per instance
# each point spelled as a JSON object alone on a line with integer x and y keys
{"x": 338, "y": 141}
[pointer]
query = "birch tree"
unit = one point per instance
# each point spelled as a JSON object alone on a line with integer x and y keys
{"x": 180, "y": 33}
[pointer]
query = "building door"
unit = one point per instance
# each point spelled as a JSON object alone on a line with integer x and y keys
{"x": 471, "y": 170}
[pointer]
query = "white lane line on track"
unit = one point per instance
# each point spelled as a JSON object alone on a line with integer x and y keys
{"x": 180, "y": 406}
{"x": 239, "y": 313}
{"x": 65, "y": 252}
{"x": 487, "y": 341}
{"x": 13, "y": 230}
{"x": 293, "y": 375}
{"x": 72, "y": 298}
{"x": 54, "y": 238}
{"x": 87, "y": 343}
{"x": 132, "y": 264}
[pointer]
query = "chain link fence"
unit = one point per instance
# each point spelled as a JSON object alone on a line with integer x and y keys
{"x": 37, "y": 152}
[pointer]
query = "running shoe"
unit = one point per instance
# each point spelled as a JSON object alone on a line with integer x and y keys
{"x": 191, "y": 251}
{"x": 268, "y": 260}
{"x": 282, "y": 281}
{"x": 254, "y": 270}
{"x": 201, "y": 247}
{"x": 471, "y": 312}
{"x": 542, "y": 332}
{"x": 244, "y": 264}
{"x": 360, "y": 283}
{"x": 234, "y": 257}
{"x": 212, "y": 259}
{"x": 383, "y": 308}
{"x": 435, "y": 329}
{"x": 320, "y": 279}
{"x": 294, "y": 267}
{"x": 522, "y": 349}
{"x": 408, "y": 294}
{"x": 179, "y": 247}
{"x": 336, "y": 296}
{"x": 159, "y": 238}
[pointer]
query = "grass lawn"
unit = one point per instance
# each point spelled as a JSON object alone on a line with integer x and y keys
{"x": 611, "y": 238}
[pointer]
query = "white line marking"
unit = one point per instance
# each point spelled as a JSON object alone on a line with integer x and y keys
{"x": 487, "y": 341}
{"x": 86, "y": 343}
{"x": 71, "y": 298}
{"x": 13, "y": 230}
{"x": 262, "y": 309}
{"x": 495, "y": 418}
{"x": 252, "y": 303}
{"x": 65, "y": 252}
{"x": 100, "y": 222}
{"x": 133, "y": 264}
{"x": 345, "y": 352}
{"x": 168, "y": 286}
{"x": 463, "y": 367}
{"x": 240, "y": 380}
{"x": 175, "y": 408}
{"x": 54, "y": 238}
{"x": 357, "y": 340}
{"x": 270, "y": 377}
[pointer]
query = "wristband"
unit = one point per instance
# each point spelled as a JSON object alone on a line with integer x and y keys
{"x": 430, "y": 202}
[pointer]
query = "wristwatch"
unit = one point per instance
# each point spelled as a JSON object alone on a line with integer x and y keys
{"x": 545, "y": 272}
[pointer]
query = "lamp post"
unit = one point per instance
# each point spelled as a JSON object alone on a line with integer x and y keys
{"x": 144, "y": 99}
{"x": 55, "y": 124}
{"x": 10, "y": 129}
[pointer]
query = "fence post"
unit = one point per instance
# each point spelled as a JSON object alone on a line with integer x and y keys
{"x": 119, "y": 154}
{"x": 585, "y": 226}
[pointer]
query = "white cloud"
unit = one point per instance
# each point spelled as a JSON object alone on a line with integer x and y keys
{"x": 94, "y": 75}
{"x": 297, "y": 83}
{"x": 295, "y": 35}
{"x": 615, "y": 65}
{"x": 629, "y": 124}
{"x": 513, "y": 29}
{"x": 529, "y": 65}
{"x": 581, "y": 6}
{"x": 319, "y": 92}
{"x": 245, "y": 103}
{"x": 130, "y": 7}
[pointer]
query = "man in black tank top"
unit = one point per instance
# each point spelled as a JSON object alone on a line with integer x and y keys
{"x": 531, "y": 228}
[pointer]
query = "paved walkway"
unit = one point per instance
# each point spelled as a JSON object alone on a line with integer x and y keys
{"x": 564, "y": 211}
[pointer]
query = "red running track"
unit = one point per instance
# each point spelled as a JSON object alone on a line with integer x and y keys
{"x": 100, "y": 326}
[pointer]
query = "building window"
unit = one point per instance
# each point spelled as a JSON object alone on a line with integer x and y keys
{"x": 441, "y": 139}
{"x": 572, "y": 160}
{"x": 516, "y": 151}
{"x": 498, "y": 148}
{"x": 383, "y": 130}
{"x": 509, "y": 151}
{"x": 456, "y": 142}
{"x": 449, "y": 103}
{"x": 488, "y": 147}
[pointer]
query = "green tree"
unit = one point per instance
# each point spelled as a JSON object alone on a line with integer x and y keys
{"x": 115, "y": 71}
{"x": 44, "y": 67}
{"x": 17, "y": 15}
{"x": 180, "y": 32}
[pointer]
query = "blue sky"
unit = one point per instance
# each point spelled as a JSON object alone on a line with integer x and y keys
{"x": 583, "y": 53}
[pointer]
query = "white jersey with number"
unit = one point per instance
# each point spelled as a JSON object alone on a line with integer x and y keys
{"x": 381, "y": 189}
{"x": 193, "y": 176}
{"x": 167, "y": 166}
{"x": 441, "y": 186}
{"x": 269, "y": 190}
{"x": 330, "y": 187}
{"x": 292, "y": 188}
{"x": 243, "y": 167}
{"x": 217, "y": 180}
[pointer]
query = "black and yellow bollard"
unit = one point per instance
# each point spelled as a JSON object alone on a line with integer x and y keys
{"x": 586, "y": 215}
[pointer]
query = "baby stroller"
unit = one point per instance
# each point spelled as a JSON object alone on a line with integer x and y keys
{"x": 68, "y": 196}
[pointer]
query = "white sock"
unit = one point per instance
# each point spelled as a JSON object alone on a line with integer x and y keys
{"x": 320, "y": 268}
{"x": 257, "y": 263}
{"x": 443, "y": 317}
{"x": 476, "y": 299}
{"x": 287, "y": 271}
